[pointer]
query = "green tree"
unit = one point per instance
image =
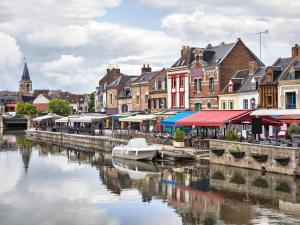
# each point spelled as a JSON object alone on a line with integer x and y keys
{"x": 60, "y": 107}
{"x": 27, "y": 109}
{"x": 91, "y": 104}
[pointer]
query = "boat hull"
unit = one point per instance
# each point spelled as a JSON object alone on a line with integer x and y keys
{"x": 134, "y": 155}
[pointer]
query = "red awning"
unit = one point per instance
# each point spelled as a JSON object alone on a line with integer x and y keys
{"x": 265, "y": 120}
{"x": 289, "y": 119}
{"x": 212, "y": 118}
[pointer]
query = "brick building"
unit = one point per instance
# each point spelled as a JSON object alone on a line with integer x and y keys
{"x": 140, "y": 89}
{"x": 158, "y": 91}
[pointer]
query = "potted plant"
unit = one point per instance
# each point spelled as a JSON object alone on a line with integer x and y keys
{"x": 259, "y": 157}
{"x": 218, "y": 176}
{"x": 217, "y": 151}
{"x": 293, "y": 129}
{"x": 237, "y": 179}
{"x": 260, "y": 182}
{"x": 283, "y": 160}
{"x": 232, "y": 136}
{"x": 237, "y": 153}
{"x": 179, "y": 138}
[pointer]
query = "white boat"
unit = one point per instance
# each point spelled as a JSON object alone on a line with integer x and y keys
{"x": 136, "y": 149}
{"x": 136, "y": 170}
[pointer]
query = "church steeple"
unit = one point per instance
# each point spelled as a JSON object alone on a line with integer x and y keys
{"x": 25, "y": 84}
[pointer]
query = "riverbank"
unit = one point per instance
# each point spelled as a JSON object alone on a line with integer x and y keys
{"x": 106, "y": 143}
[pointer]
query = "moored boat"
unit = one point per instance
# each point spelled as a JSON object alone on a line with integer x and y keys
{"x": 136, "y": 149}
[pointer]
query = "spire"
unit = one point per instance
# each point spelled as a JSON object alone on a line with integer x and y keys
{"x": 25, "y": 75}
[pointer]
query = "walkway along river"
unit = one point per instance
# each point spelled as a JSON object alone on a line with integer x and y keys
{"x": 51, "y": 184}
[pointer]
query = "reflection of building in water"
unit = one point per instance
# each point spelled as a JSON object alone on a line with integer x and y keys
{"x": 8, "y": 142}
{"x": 242, "y": 187}
{"x": 25, "y": 149}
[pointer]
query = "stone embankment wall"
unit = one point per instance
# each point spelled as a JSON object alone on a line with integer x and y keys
{"x": 92, "y": 142}
{"x": 249, "y": 162}
{"x": 272, "y": 186}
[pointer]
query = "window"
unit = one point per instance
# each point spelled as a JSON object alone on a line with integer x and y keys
{"x": 181, "y": 100}
{"x": 211, "y": 84}
{"x": 223, "y": 105}
{"x": 253, "y": 103}
{"x": 199, "y": 86}
{"x": 146, "y": 98}
{"x": 198, "y": 106}
{"x": 158, "y": 103}
{"x": 174, "y": 82}
{"x": 154, "y": 104}
{"x": 173, "y": 100}
{"x": 245, "y": 104}
{"x": 181, "y": 81}
{"x": 230, "y": 105}
{"x": 209, "y": 105}
{"x": 137, "y": 99}
{"x": 230, "y": 88}
{"x": 269, "y": 100}
{"x": 195, "y": 85}
{"x": 159, "y": 84}
{"x": 111, "y": 98}
{"x": 163, "y": 103}
{"x": 290, "y": 99}
{"x": 297, "y": 74}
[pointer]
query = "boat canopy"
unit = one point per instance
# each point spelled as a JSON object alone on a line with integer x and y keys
{"x": 170, "y": 121}
{"x": 137, "y": 142}
{"x": 138, "y": 118}
{"x": 211, "y": 118}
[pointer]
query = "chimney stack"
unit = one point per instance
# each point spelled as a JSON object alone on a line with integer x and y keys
{"x": 146, "y": 69}
{"x": 295, "y": 51}
{"x": 184, "y": 50}
{"x": 107, "y": 71}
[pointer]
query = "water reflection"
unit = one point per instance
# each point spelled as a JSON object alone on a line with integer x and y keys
{"x": 60, "y": 185}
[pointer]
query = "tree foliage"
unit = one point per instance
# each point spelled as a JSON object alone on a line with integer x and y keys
{"x": 91, "y": 103}
{"x": 293, "y": 129}
{"x": 26, "y": 108}
{"x": 232, "y": 136}
{"x": 59, "y": 107}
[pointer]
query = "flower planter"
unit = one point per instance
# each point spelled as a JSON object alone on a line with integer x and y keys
{"x": 259, "y": 157}
{"x": 260, "y": 182}
{"x": 283, "y": 187}
{"x": 237, "y": 179}
{"x": 217, "y": 152}
{"x": 218, "y": 176}
{"x": 178, "y": 144}
{"x": 237, "y": 154}
{"x": 283, "y": 160}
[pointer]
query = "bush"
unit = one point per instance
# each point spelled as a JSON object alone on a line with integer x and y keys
{"x": 232, "y": 136}
{"x": 293, "y": 129}
{"x": 179, "y": 135}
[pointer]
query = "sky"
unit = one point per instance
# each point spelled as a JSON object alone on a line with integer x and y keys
{"x": 68, "y": 44}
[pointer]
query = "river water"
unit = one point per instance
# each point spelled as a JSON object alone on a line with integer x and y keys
{"x": 50, "y": 184}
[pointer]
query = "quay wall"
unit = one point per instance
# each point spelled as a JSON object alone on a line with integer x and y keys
{"x": 85, "y": 141}
{"x": 249, "y": 162}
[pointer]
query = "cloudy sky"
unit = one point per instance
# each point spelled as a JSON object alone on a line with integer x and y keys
{"x": 68, "y": 44}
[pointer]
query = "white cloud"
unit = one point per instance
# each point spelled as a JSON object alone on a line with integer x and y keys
{"x": 10, "y": 54}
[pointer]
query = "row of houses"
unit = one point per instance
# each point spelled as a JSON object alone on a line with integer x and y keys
{"x": 226, "y": 76}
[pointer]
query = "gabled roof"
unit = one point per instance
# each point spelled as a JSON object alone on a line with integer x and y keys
{"x": 287, "y": 75}
{"x": 121, "y": 81}
{"x": 145, "y": 77}
{"x": 278, "y": 67}
{"x": 25, "y": 74}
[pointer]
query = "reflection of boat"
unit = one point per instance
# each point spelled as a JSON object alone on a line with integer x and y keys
{"x": 136, "y": 149}
{"x": 135, "y": 169}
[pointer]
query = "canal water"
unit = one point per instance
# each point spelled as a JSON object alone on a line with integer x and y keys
{"x": 49, "y": 184}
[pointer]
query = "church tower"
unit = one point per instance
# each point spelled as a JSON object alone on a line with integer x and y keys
{"x": 25, "y": 84}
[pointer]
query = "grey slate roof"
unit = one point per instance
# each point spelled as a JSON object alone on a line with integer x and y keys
{"x": 145, "y": 77}
{"x": 259, "y": 73}
{"x": 238, "y": 79}
{"x": 25, "y": 74}
{"x": 121, "y": 81}
{"x": 8, "y": 99}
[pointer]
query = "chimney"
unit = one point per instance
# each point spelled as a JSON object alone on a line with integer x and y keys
{"x": 146, "y": 69}
{"x": 295, "y": 51}
{"x": 253, "y": 66}
{"x": 107, "y": 71}
{"x": 184, "y": 50}
{"x": 118, "y": 72}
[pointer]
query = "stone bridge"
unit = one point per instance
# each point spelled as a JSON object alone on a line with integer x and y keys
{"x": 13, "y": 122}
